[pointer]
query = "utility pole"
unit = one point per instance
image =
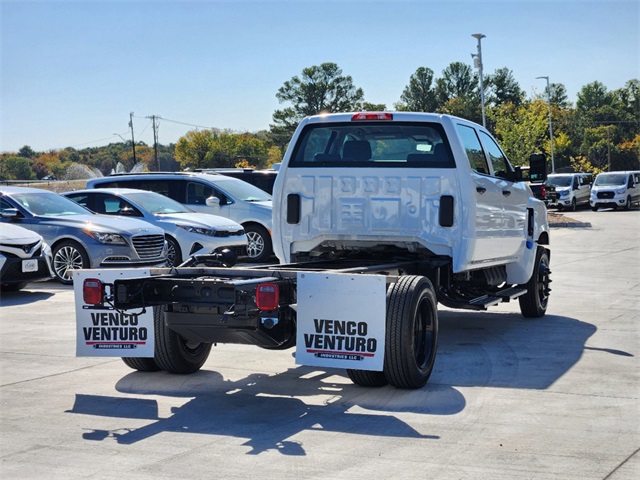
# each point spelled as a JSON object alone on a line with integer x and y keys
{"x": 478, "y": 65}
{"x": 155, "y": 140}
{"x": 133, "y": 141}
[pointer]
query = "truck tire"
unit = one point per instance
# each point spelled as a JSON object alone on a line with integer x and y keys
{"x": 141, "y": 364}
{"x": 533, "y": 304}
{"x": 173, "y": 353}
{"x": 412, "y": 332}
{"x": 367, "y": 378}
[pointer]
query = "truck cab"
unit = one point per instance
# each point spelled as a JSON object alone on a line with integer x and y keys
{"x": 424, "y": 184}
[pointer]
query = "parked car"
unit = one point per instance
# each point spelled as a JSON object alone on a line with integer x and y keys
{"x": 263, "y": 179}
{"x": 187, "y": 232}
{"x": 616, "y": 189}
{"x": 209, "y": 193}
{"x": 24, "y": 258}
{"x": 78, "y": 237}
{"x": 572, "y": 189}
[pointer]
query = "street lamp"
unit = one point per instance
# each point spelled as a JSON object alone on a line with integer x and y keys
{"x": 121, "y": 137}
{"x": 553, "y": 166}
{"x": 478, "y": 65}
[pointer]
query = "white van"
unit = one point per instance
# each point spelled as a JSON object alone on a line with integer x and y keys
{"x": 572, "y": 189}
{"x": 209, "y": 193}
{"x": 616, "y": 189}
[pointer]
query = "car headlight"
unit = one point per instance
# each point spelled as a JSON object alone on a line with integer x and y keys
{"x": 202, "y": 231}
{"x": 620, "y": 191}
{"x": 564, "y": 193}
{"x": 107, "y": 238}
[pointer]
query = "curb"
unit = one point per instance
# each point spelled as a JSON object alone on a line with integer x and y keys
{"x": 570, "y": 225}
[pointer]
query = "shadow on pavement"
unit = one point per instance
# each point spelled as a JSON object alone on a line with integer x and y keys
{"x": 476, "y": 349}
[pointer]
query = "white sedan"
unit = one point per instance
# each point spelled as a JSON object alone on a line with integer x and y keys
{"x": 188, "y": 233}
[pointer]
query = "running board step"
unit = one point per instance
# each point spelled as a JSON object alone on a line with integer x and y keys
{"x": 506, "y": 295}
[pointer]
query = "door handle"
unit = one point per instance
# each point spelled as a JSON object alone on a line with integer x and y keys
{"x": 481, "y": 189}
{"x": 506, "y": 193}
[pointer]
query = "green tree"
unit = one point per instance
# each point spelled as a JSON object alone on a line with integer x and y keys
{"x": 17, "y": 168}
{"x": 457, "y": 92}
{"x": 373, "y": 107}
{"x": 419, "y": 95}
{"x": 321, "y": 88}
{"x": 194, "y": 149}
{"x": 27, "y": 152}
{"x": 502, "y": 87}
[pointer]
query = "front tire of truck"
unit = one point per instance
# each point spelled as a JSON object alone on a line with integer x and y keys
{"x": 141, "y": 364}
{"x": 173, "y": 353}
{"x": 367, "y": 378}
{"x": 533, "y": 304}
{"x": 412, "y": 332}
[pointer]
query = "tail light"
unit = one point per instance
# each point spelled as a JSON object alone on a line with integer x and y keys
{"x": 267, "y": 296}
{"x": 92, "y": 291}
{"x": 543, "y": 191}
{"x": 372, "y": 116}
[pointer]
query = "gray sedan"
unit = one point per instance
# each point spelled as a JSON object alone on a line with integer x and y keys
{"x": 80, "y": 238}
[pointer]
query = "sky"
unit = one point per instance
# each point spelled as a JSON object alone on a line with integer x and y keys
{"x": 72, "y": 72}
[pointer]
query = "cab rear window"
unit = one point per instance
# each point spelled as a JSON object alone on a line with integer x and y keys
{"x": 373, "y": 144}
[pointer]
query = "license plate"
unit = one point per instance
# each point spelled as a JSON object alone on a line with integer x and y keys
{"x": 29, "y": 266}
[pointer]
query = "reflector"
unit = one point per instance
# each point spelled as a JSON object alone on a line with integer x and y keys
{"x": 92, "y": 291}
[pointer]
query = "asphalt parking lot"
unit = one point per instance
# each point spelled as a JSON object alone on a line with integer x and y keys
{"x": 553, "y": 398}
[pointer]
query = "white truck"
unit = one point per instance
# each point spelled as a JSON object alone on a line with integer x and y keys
{"x": 378, "y": 217}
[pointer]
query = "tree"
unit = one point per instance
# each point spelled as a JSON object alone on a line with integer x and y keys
{"x": 193, "y": 150}
{"x": 559, "y": 96}
{"x": 26, "y": 152}
{"x": 321, "y": 88}
{"x": 373, "y": 107}
{"x": 17, "y": 168}
{"x": 419, "y": 95}
{"x": 502, "y": 88}
{"x": 457, "y": 92}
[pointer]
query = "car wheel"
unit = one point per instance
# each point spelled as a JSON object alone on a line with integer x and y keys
{"x": 595, "y": 209}
{"x": 68, "y": 256}
{"x": 174, "y": 254}
{"x": 574, "y": 205}
{"x": 259, "y": 247}
{"x": 627, "y": 205}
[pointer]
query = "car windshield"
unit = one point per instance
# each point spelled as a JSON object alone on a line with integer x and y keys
{"x": 559, "y": 181}
{"x": 242, "y": 190}
{"x": 611, "y": 179}
{"x": 49, "y": 204}
{"x": 156, "y": 203}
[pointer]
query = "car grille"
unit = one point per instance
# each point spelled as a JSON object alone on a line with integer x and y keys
{"x": 227, "y": 233}
{"x": 26, "y": 248}
{"x": 149, "y": 246}
{"x": 605, "y": 194}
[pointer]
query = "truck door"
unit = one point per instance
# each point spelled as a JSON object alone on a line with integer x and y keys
{"x": 515, "y": 197}
{"x": 489, "y": 208}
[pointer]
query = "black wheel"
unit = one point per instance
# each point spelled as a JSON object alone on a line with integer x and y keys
{"x": 259, "y": 247}
{"x": 367, "y": 378}
{"x": 574, "y": 205}
{"x": 141, "y": 364}
{"x": 12, "y": 287}
{"x": 533, "y": 304}
{"x": 412, "y": 332}
{"x": 627, "y": 205}
{"x": 67, "y": 256}
{"x": 595, "y": 209}
{"x": 174, "y": 254}
{"x": 173, "y": 353}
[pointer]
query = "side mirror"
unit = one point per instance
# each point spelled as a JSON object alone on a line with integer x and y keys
{"x": 10, "y": 213}
{"x": 538, "y": 167}
{"x": 213, "y": 202}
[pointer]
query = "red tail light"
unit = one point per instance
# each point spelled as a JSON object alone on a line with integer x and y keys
{"x": 372, "y": 116}
{"x": 267, "y": 296}
{"x": 543, "y": 191}
{"x": 92, "y": 291}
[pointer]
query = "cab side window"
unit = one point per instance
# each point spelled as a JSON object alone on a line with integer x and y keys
{"x": 501, "y": 166}
{"x": 473, "y": 148}
{"x": 197, "y": 193}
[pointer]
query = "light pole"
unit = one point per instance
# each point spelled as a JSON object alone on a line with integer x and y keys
{"x": 553, "y": 166}
{"x": 478, "y": 65}
{"x": 123, "y": 140}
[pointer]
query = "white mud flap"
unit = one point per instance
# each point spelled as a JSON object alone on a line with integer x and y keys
{"x": 104, "y": 332}
{"x": 341, "y": 320}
